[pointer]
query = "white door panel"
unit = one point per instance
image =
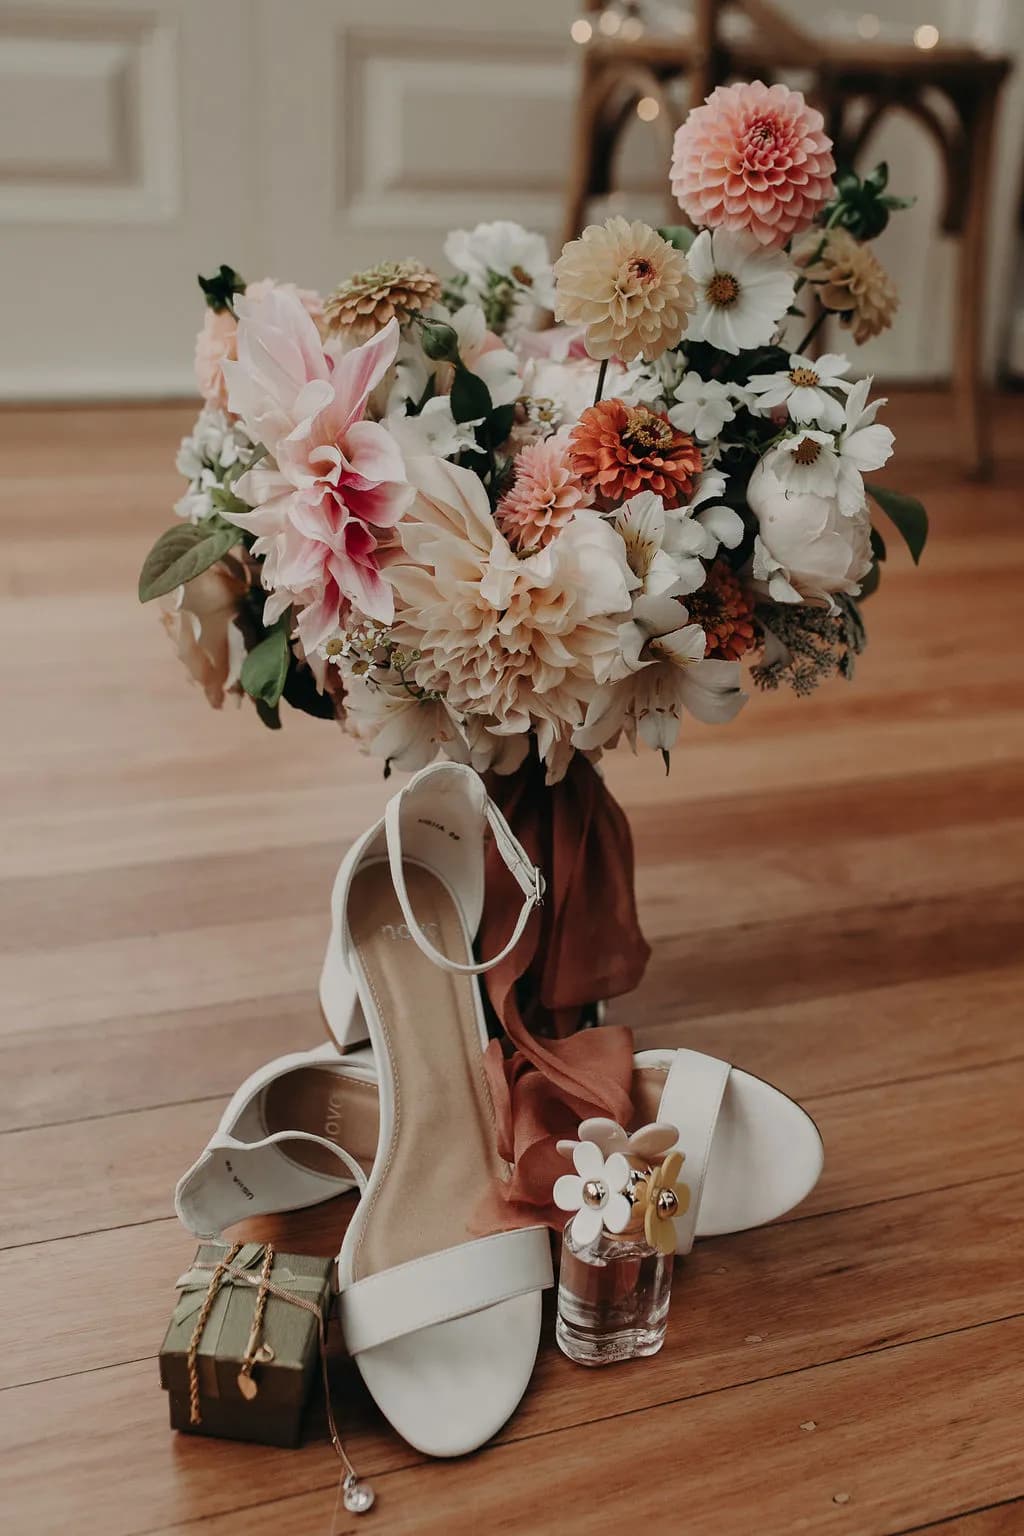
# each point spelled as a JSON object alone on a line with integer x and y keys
{"x": 143, "y": 141}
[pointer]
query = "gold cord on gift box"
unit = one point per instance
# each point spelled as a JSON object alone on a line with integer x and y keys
{"x": 356, "y": 1496}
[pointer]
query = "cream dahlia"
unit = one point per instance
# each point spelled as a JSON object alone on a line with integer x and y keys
{"x": 850, "y": 280}
{"x": 514, "y": 639}
{"x": 627, "y": 286}
{"x": 755, "y": 158}
{"x": 617, "y": 450}
{"x": 543, "y": 496}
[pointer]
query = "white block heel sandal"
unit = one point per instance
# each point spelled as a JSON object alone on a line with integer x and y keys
{"x": 443, "y": 1325}
{"x": 752, "y": 1154}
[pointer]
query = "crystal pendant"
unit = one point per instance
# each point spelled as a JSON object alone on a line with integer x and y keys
{"x": 357, "y": 1497}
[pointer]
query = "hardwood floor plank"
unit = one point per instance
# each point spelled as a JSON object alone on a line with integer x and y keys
{"x": 884, "y": 1440}
{"x": 747, "y": 1307}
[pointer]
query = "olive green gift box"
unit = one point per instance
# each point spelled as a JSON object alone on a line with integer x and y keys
{"x": 274, "y": 1415}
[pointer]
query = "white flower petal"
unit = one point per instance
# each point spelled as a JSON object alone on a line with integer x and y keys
{"x": 588, "y": 1160}
{"x": 586, "y": 1226}
{"x": 617, "y": 1213}
{"x": 568, "y": 1192}
{"x": 616, "y": 1172}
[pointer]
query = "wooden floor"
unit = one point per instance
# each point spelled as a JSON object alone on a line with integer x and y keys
{"x": 833, "y": 888}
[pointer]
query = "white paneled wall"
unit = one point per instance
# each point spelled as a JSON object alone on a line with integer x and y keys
{"x": 142, "y": 141}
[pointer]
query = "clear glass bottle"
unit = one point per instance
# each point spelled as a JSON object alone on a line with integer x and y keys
{"x": 613, "y": 1298}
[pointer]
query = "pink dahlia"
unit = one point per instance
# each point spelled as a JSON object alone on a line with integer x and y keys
{"x": 753, "y": 157}
{"x": 334, "y": 485}
{"x": 544, "y": 495}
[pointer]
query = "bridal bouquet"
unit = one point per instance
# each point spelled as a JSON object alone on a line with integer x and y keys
{"x": 520, "y": 512}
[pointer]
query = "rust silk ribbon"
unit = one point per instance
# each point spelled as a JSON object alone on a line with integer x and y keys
{"x": 582, "y": 945}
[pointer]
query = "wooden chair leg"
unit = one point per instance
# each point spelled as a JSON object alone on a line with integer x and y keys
{"x": 970, "y": 384}
{"x": 584, "y": 152}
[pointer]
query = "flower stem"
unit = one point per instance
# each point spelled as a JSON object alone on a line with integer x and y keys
{"x": 815, "y": 328}
{"x": 600, "y": 379}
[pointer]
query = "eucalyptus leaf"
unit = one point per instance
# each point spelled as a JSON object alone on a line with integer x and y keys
{"x": 679, "y": 235}
{"x": 907, "y": 513}
{"x": 265, "y": 668}
{"x": 182, "y": 553}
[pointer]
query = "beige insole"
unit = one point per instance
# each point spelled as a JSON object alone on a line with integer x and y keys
{"x": 441, "y": 1156}
{"x": 344, "y": 1109}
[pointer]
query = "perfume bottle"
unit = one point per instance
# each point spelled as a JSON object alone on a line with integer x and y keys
{"x": 613, "y": 1297}
{"x": 615, "y": 1282}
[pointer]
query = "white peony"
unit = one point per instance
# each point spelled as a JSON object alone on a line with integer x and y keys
{"x": 516, "y": 641}
{"x": 806, "y": 548}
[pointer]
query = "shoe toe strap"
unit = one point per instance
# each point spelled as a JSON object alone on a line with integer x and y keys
{"x": 691, "y": 1100}
{"x": 442, "y": 1286}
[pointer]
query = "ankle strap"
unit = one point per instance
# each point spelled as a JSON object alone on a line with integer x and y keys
{"x": 527, "y": 876}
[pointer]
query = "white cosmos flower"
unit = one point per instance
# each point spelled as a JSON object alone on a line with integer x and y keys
{"x": 743, "y": 291}
{"x": 509, "y": 250}
{"x": 595, "y": 1193}
{"x": 660, "y": 672}
{"x": 804, "y": 389}
{"x": 864, "y": 445}
{"x": 805, "y": 463}
{"x": 705, "y": 406}
{"x": 404, "y": 731}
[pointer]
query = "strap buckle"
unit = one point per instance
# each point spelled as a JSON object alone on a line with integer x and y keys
{"x": 539, "y": 887}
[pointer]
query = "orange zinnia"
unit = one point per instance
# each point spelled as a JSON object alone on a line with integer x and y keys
{"x": 725, "y": 612}
{"x": 620, "y": 449}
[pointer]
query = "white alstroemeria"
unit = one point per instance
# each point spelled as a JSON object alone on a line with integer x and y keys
{"x": 483, "y": 354}
{"x": 704, "y": 408}
{"x": 804, "y": 389}
{"x": 805, "y": 463}
{"x": 510, "y": 251}
{"x": 660, "y": 671}
{"x": 641, "y": 524}
{"x": 743, "y": 291}
{"x": 390, "y": 723}
{"x": 595, "y": 1193}
{"x": 434, "y": 430}
{"x": 864, "y": 445}
{"x": 695, "y": 531}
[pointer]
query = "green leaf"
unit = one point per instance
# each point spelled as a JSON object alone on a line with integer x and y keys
{"x": 499, "y": 424}
{"x": 265, "y": 668}
{"x": 470, "y": 396}
{"x": 270, "y": 714}
{"x": 182, "y": 553}
{"x": 679, "y": 235}
{"x": 870, "y": 582}
{"x": 907, "y": 513}
{"x": 878, "y": 179}
{"x": 877, "y": 545}
{"x": 220, "y": 290}
{"x": 226, "y": 502}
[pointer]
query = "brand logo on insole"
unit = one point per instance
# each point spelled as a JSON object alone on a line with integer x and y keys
{"x": 439, "y": 826}
{"x": 246, "y": 1191}
{"x": 335, "y": 1113}
{"x": 401, "y": 931}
